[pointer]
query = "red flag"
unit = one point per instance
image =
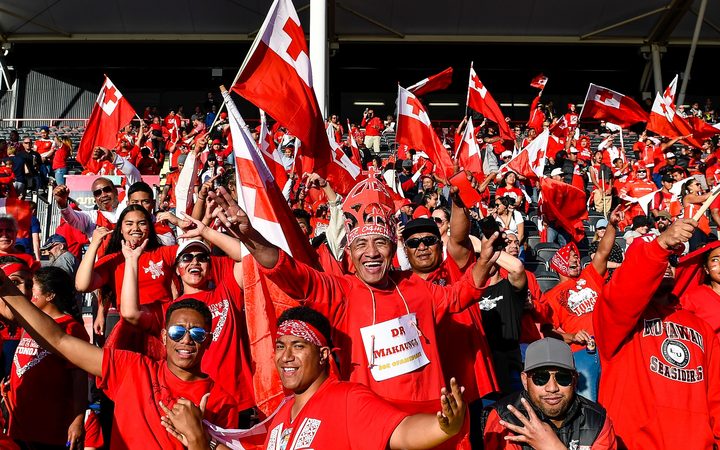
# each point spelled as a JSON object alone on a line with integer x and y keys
{"x": 468, "y": 152}
{"x": 701, "y": 129}
{"x": 605, "y": 104}
{"x": 20, "y": 210}
{"x": 415, "y": 130}
{"x": 277, "y": 78}
{"x": 270, "y": 153}
{"x": 564, "y": 204}
{"x": 666, "y": 122}
{"x": 480, "y": 100}
{"x": 355, "y": 148}
{"x": 530, "y": 161}
{"x": 110, "y": 113}
{"x": 539, "y": 82}
{"x": 269, "y": 213}
{"x": 433, "y": 83}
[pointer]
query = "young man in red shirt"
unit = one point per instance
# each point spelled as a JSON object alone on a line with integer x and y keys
{"x": 373, "y": 128}
{"x": 661, "y": 364}
{"x": 324, "y": 412}
{"x": 135, "y": 383}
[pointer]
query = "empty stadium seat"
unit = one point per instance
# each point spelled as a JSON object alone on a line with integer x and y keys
{"x": 547, "y": 283}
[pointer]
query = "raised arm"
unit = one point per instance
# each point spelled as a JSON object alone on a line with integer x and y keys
{"x": 600, "y": 260}
{"x": 515, "y": 269}
{"x": 459, "y": 246}
{"x": 80, "y": 220}
{"x": 48, "y": 333}
{"x": 132, "y": 174}
{"x": 130, "y": 297}
{"x": 424, "y": 431}
{"x": 633, "y": 285}
{"x": 86, "y": 278}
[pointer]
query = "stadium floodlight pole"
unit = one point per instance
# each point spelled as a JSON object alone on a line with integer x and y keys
{"x": 691, "y": 55}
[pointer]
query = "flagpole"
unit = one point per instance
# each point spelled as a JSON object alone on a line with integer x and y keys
{"x": 584, "y": 103}
{"x": 467, "y": 98}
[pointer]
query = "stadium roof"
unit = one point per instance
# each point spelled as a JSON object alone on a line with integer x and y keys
{"x": 668, "y": 22}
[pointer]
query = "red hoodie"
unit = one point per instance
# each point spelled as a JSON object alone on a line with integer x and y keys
{"x": 661, "y": 366}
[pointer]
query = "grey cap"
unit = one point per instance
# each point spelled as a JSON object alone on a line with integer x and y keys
{"x": 549, "y": 352}
{"x": 602, "y": 223}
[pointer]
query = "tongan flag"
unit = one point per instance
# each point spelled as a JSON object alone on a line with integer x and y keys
{"x": 468, "y": 152}
{"x": 110, "y": 113}
{"x": 480, "y": 100}
{"x": 415, "y": 130}
{"x": 277, "y": 78}
{"x": 433, "y": 83}
{"x": 530, "y": 161}
{"x": 539, "y": 82}
{"x": 269, "y": 213}
{"x": 604, "y": 104}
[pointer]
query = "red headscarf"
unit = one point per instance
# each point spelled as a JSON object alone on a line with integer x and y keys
{"x": 561, "y": 260}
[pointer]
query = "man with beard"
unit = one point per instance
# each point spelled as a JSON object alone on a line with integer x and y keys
{"x": 547, "y": 413}
{"x": 105, "y": 193}
{"x": 573, "y": 301}
{"x": 661, "y": 364}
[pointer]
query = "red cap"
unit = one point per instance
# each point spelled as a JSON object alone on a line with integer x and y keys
{"x": 223, "y": 115}
{"x": 217, "y": 141}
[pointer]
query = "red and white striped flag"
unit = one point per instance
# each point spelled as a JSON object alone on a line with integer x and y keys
{"x": 539, "y": 82}
{"x": 415, "y": 130}
{"x": 468, "y": 152}
{"x": 277, "y": 78}
{"x": 480, "y": 100}
{"x": 433, "y": 83}
{"x": 110, "y": 113}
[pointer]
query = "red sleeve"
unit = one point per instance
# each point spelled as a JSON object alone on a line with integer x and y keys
{"x": 117, "y": 366}
{"x": 299, "y": 281}
{"x": 494, "y": 434}
{"x": 456, "y": 297}
{"x": 408, "y": 185}
{"x": 223, "y": 271}
{"x": 221, "y": 409}
{"x": 371, "y": 420}
{"x": 628, "y": 294}
{"x": 364, "y": 121}
{"x": 606, "y": 439}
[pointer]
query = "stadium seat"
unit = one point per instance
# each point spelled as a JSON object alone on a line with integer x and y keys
{"x": 532, "y": 241}
{"x": 546, "y": 253}
{"x": 547, "y": 283}
{"x": 535, "y": 266}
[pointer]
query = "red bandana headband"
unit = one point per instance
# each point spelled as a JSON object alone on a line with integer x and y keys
{"x": 11, "y": 268}
{"x": 302, "y": 330}
{"x": 561, "y": 260}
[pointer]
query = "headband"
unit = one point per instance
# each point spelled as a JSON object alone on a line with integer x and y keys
{"x": 302, "y": 330}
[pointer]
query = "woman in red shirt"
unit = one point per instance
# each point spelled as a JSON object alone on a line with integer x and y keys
{"x": 510, "y": 187}
{"x": 59, "y": 159}
{"x": 48, "y": 395}
{"x": 156, "y": 275}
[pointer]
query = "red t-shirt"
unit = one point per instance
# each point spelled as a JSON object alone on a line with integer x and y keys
{"x": 59, "y": 160}
{"x": 513, "y": 192}
{"x": 225, "y": 360}
{"x": 348, "y": 303}
{"x": 136, "y": 384}
{"x": 171, "y": 181}
{"x": 464, "y": 350}
{"x": 93, "y": 432}
{"x": 155, "y": 274}
{"x": 573, "y": 302}
{"x": 41, "y": 387}
{"x": 340, "y": 415}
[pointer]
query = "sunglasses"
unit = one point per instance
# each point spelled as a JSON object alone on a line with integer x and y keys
{"x": 187, "y": 258}
{"x": 178, "y": 332}
{"x": 541, "y": 377}
{"x": 429, "y": 241}
{"x": 105, "y": 189}
{"x": 439, "y": 220}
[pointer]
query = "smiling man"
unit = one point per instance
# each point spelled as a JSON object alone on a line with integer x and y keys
{"x": 547, "y": 413}
{"x": 385, "y": 321}
{"x": 134, "y": 382}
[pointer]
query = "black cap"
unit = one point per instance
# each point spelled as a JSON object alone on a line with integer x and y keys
{"x": 667, "y": 178}
{"x": 640, "y": 221}
{"x": 421, "y": 225}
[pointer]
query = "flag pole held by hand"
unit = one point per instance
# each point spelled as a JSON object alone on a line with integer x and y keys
{"x": 706, "y": 204}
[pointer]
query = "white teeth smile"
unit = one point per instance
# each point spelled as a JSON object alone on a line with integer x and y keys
{"x": 372, "y": 264}
{"x": 194, "y": 270}
{"x": 289, "y": 369}
{"x": 184, "y": 352}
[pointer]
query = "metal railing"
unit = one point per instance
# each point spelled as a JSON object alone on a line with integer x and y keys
{"x": 48, "y": 214}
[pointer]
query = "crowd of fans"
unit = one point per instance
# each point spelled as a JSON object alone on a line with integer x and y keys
{"x": 486, "y": 325}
